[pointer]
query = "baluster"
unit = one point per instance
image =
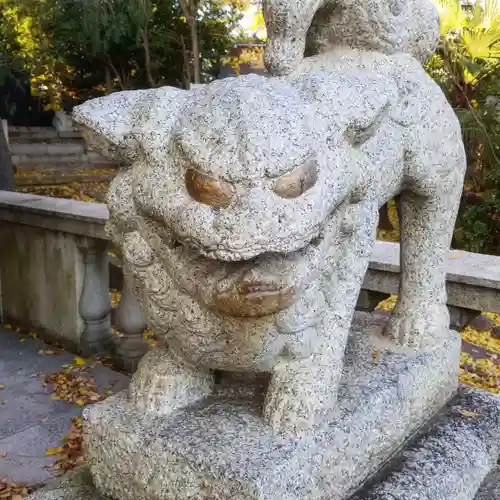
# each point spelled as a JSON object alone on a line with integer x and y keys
{"x": 131, "y": 347}
{"x": 461, "y": 317}
{"x": 95, "y": 304}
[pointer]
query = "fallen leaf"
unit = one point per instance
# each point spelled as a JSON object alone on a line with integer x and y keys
{"x": 79, "y": 361}
{"x": 72, "y": 452}
{"x": 469, "y": 414}
{"x": 2, "y": 387}
{"x": 3, "y": 454}
{"x": 73, "y": 384}
{"x": 3, "y": 402}
{"x": 376, "y": 355}
{"x": 46, "y": 352}
{"x": 50, "y": 452}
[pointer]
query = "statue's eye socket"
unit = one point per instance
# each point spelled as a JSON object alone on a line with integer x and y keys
{"x": 208, "y": 190}
{"x": 296, "y": 183}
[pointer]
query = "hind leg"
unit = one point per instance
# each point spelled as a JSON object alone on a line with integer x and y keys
{"x": 427, "y": 224}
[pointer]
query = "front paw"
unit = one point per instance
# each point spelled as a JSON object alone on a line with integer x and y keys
{"x": 288, "y": 412}
{"x": 412, "y": 323}
{"x": 164, "y": 383}
{"x": 300, "y": 396}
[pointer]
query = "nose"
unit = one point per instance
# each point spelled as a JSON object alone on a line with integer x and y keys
{"x": 208, "y": 190}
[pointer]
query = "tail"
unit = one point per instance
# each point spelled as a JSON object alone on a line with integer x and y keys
{"x": 299, "y": 28}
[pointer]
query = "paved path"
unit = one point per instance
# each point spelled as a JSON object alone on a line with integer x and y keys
{"x": 30, "y": 421}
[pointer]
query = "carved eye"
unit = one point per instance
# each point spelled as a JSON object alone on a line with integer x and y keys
{"x": 208, "y": 190}
{"x": 296, "y": 183}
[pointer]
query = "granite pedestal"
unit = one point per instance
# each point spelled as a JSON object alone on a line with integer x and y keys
{"x": 220, "y": 448}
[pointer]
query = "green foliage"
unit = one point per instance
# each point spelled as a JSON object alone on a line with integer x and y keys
{"x": 75, "y": 50}
{"x": 467, "y": 67}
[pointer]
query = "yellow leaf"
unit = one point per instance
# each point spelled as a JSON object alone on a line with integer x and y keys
{"x": 80, "y": 402}
{"x": 2, "y": 387}
{"x": 22, "y": 340}
{"x": 4, "y": 453}
{"x": 79, "y": 361}
{"x": 469, "y": 414}
{"x": 50, "y": 452}
{"x": 55, "y": 398}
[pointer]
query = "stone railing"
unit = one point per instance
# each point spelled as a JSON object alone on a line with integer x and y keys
{"x": 55, "y": 277}
{"x": 473, "y": 282}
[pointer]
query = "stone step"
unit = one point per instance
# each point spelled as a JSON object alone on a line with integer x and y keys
{"x": 37, "y": 149}
{"x": 453, "y": 459}
{"x": 66, "y": 176}
{"x": 40, "y": 134}
{"x": 91, "y": 159}
{"x": 490, "y": 489}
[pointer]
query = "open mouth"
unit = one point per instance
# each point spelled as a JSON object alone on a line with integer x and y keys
{"x": 262, "y": 284}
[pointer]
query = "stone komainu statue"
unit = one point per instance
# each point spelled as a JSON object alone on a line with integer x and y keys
{"x": 246, "y": 209}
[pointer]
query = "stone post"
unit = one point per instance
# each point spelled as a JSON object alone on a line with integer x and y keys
{"x": 95, "y": 304}
{"x": 461, "y": 317}
{"x": 131, "y": 347}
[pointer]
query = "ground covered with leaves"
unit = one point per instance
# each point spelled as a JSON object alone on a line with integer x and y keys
{"x": 75, "y": 385}
{"x": 480, "y": 359}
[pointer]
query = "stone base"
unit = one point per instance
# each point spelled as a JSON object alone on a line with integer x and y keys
{"x": 453, "y": 458}
{"x": 221, "y": 449}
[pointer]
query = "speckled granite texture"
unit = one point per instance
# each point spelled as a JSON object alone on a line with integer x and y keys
{"x": 220, "y": 448}
{"x": 298, "y": 27}
{"x": 490, "y": 489}
{"x": 246, "y": 212}
{"x": 452, "y": 459}
{"x": 247, "y": 220}
{"x": 76, "y": 485}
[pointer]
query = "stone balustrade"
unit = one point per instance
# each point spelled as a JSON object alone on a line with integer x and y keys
{"x": 473, "y": 282}
{"x": 54, "y": 277}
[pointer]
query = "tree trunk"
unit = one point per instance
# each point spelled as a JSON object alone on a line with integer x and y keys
{"x": 190, "y": 10}
{"x": 147, "y": 58}
{"x": 6, "y": 172}
{"x": 196, "y": 51}
{"x": 186, "y": 65}
{"x": 109, "y": 81}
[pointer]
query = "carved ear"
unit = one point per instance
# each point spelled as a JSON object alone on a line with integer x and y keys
{"x": 110, "y": 124}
